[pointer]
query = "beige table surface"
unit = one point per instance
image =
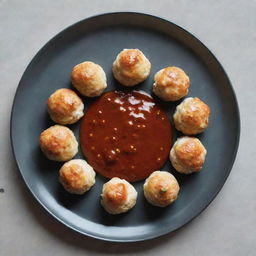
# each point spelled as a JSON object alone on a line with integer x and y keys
{"x": 228, "y": 225}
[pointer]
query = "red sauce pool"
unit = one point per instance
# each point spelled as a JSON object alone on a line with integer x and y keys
{"x": 125, "y": 135}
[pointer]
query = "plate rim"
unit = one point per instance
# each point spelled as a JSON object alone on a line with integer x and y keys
{"x": 198, "y": 212}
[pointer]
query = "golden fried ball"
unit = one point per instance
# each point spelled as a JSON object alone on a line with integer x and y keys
{"x": 118, "y": 196}
{"x": 191, "y": 116}
{"x": 77, "y": 176}
{"x": 188, "y": 155}
{"x": 58, "y": 143}
{"x": 171, "y": 84}
{"x": 89, "y": 79}
{"x": 131, "y": 67}
{"x": 161, "y": 188}
{"x": 65, "y": 107}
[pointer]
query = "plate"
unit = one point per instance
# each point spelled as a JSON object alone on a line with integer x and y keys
{"x": 99, "y": 39}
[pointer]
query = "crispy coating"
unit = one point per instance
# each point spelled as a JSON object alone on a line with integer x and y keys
{"x": 171, "y": 84}
{"x": 77, "y": 176}
{"x": 188, "y": 155}
{"x": 161, "y": 188}
{"x": 131, "y": 67}
{"x": 192, "y": 116}
{"x": 65, "y": 107}
{"x": 116, "y": 193}
{"x": 58, "y": 143}
{"x": 89, "y": 79}
{"x": 118, "y": 196}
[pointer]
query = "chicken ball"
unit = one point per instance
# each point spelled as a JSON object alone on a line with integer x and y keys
{"x": 171, "y": 84}
{"x": 65, "y": 107}
{"x": 89, "y": 79}
{"x": 188, "y": 155}
{"x": 131, "y": 67}
{"x": 161, "y": 189}
{"x": 118, "y": 196}
{"x": 58, "y": 143}
{"x": 77, "y": 176}
{"x": 191, "y": 116}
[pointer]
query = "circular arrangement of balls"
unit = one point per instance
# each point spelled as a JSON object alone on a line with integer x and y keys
{"x": 130, "y": 67}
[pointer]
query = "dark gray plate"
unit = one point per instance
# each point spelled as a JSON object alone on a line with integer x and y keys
{"x": 99, "y": 39}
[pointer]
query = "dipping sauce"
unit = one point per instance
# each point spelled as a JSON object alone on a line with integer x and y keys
{"x": 125, "y": 135}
